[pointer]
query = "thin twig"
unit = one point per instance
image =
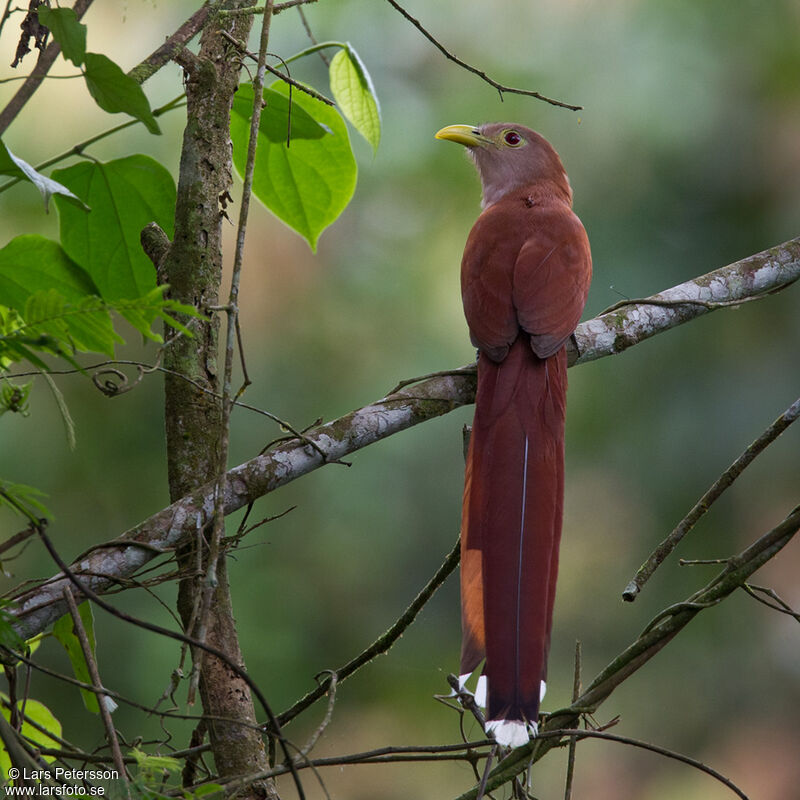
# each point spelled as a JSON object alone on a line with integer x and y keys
{"x": 579, "y": 733}
{"x": 486, "y": 769}
{"x": 711, "y": 305}
{"x": 14, "y": 540}
{"x": 779, "y": 605}
{"x": 707, "y": 500}
{"x": 285, "y": 78}
{"x": 325, "y": 60}
{"x": 380, "y": 755}
{"x": 102, "y": 366}
{"x": 383, "y": 642}
{"x": 470, "y": 369}
{"x": 314, "y": 738}
{"x": 8, "y": 11}
{"x": 480, "y": 73}
{"x": 102, "y": 697}
{"x": 573, "y": 741}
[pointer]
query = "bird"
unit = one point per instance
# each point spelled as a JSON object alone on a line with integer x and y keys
{"x": 525, "y": 276}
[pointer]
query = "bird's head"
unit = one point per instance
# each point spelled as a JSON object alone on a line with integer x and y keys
{"x": 509, "y": 157}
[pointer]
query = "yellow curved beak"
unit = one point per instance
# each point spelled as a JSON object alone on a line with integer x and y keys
{"x": 468, "y": 135}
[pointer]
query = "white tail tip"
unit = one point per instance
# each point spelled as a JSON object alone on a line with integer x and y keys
{"x": 480, "y": 691}
{"x": 511, "y": 733}
{"x": 542, "y": 691}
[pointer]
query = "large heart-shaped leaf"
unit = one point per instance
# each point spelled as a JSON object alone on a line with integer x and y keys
{"x": 275, "y": 116}
{"x": 31, "y": 264}
{"x": 309, "y": 182}
{"x": 124, "y": 194}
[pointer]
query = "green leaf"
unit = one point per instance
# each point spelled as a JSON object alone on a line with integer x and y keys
{"x": 24, "y": 500}
{"x": 352, "y": 87}
{"x": 85, "y": 325}
{"x": 8, "y": 636}
{"x": 205, "y": 790}
{"x": 153, "y": 768}
{"x": 29, "y": 264}
{"x": 67, "y": 31}
{"x": 115, "y": 91}
{"x": 16, "y": 167}
{"x": 274, "y": 123}
{"x": 309, "y": 183}
{"x": 36, "y": 713}
{"x": 64, "y": 631}
{"x": 141, "y": 312}
{"x": 125, "y": 194}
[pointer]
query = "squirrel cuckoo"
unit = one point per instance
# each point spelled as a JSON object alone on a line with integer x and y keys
{"x": 524, "y": 279}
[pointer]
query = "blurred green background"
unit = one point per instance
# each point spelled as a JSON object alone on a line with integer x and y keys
{"x": 686, "y": 157}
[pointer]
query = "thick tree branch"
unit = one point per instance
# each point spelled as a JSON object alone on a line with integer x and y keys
{"x": 605, "y": 335}
{"x": 614, "y": 331}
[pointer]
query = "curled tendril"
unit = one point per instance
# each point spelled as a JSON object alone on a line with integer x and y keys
{"x": 113, "y": 382}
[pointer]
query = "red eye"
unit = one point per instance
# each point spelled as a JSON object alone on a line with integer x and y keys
{"x": 512, "y": 138}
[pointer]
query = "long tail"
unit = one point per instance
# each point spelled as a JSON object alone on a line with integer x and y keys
{"x": 510, "y": 532}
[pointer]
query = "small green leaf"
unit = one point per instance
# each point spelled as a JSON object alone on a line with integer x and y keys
{"x": 29, "y": 264}
{"x": 24, "y": 500}
{"x": 352, "y": 87}
{"x": 274, "y": 121}
{"x": 8, "y": 636}
{"x": 64, "y": 632}
{"x": 67, "y": 31}
{"x": 34, "y": 714}
{"x": 309, "y": 183}
{"x": 125, "y": 194}
{"x": 205, "y": 790}
{"x": 85, "y": 325}
{"x": 154, "y": 768}
{"x": 16, "y": 167}
{"x": 115, "y": 91}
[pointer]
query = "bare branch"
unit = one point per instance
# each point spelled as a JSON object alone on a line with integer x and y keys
{"x": 474, "y": 70}
{"x": 779, "y": 605}
{"x": 383, "y": 642}
{"x": 707, "y": 500}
